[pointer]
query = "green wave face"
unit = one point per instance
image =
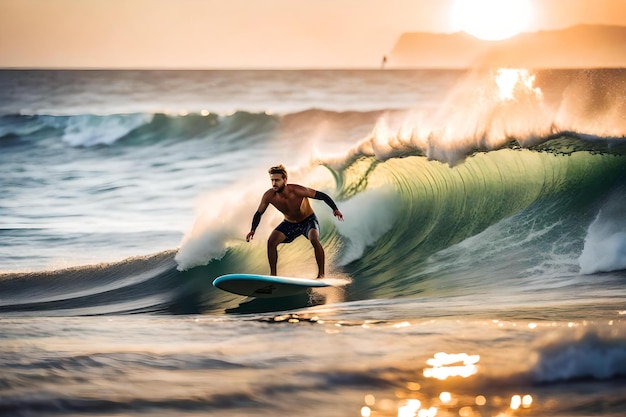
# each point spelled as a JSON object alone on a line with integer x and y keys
{"x": 530, "y": 202}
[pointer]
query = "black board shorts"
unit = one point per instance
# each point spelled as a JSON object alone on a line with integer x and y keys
{"x": 293, "y": 230}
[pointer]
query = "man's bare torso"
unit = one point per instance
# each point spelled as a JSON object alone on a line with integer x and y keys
{"x": 292, "y": 202}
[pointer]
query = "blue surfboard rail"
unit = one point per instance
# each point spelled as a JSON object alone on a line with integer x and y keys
{"x": 266, "y": 286}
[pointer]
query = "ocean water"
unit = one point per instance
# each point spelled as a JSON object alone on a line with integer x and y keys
{"x": 484, "y": 243}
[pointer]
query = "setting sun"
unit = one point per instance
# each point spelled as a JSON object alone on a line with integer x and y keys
{"x": 491, "y": 19}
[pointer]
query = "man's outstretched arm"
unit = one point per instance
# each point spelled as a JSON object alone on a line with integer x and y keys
{"x": 256, "y": 219}
{"x": 326, "y": 199}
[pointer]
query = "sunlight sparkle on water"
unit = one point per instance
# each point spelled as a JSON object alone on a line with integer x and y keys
{"x": 427, "y": 412}
{"x": 480, "y": 400}
{"x": 518, "y": 401}
{"x": 445, "y": 397}
{"x": 446, "y": 365}
{"x": 409, "y": 409}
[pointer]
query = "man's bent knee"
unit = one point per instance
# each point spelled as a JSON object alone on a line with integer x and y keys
{"x": 314, "y": 236}
{"x": 275, "y": 239}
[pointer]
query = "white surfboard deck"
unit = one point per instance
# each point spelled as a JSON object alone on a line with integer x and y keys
{"x": 266, "y": 286}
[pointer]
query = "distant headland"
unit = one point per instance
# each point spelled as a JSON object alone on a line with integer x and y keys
{"x": 581, "y": 46}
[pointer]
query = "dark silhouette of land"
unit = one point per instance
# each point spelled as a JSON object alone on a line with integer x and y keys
{"x": 582, "y": 46}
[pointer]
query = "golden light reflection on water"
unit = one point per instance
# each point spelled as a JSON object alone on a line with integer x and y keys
{"x": 448, "y": 405}
{"x": 517, "y": 401}
{"x": 413, "y": 386}
{"x": 446, "y": 365}
{"x": 527, "y": 401}
{"x": 445, "y": 397}
{"x": 480, "y": 400}
{"x": 410, "y": 408}
{"x": 428, "y": 400}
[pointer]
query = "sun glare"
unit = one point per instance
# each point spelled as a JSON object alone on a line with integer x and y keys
{"x": 490, "y": 19}
{"x": 515, "y": 82}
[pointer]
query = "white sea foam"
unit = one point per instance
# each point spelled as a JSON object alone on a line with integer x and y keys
{"x": 605, "y": 243}
{"x": 90, "y": 130}
{"x": 589, "y": 353}
{"x": 368, "y": 217}
{"x": 222, "y": 219}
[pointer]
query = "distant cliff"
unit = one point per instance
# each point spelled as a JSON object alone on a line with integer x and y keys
{"x": 582, "y": 46}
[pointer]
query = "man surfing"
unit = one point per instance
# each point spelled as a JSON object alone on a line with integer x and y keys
{"x": 293, "y": 201}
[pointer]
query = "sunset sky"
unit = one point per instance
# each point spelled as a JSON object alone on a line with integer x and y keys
{"x": 240, "y": 33}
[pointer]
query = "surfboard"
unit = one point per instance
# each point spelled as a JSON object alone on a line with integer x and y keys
{"x": 266, "y": 286}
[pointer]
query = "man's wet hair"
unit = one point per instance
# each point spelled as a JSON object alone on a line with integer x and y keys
{"x": 278, "y": 169}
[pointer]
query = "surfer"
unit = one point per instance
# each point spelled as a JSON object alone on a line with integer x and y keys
{"x": 293, "y": 201}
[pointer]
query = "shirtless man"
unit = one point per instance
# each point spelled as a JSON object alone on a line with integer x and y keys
{"x": 293, "y": 201}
